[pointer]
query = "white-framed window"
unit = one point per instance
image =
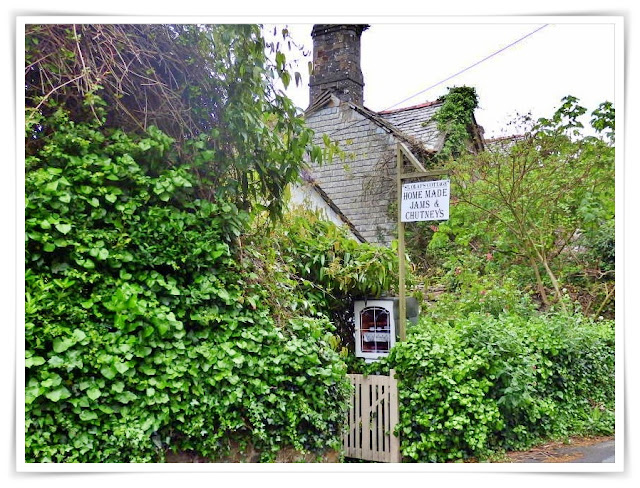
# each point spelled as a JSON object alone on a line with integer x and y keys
{"x": 375, "y": 328}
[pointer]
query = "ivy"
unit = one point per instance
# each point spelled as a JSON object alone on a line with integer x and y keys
{"x": 454, "y": 118}
{"x": 143, "y": 330}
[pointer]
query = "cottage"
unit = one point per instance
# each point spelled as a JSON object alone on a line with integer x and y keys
{"x": 357, "y": 188}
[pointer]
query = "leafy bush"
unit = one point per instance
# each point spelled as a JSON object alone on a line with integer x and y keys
{"x": 320, "y": 269}
{"x": 537, "y": 208}
{"x": 444, "y": 410}
{"x": 324, "y": 253}
{"x": 553, "y": 375}
{"x": 533, "y": 197}
{"x": 476, "y": 293}
{"x": 487, "y": 383}
{"x": 143, "y": 329}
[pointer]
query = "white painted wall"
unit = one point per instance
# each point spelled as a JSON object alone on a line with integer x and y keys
{"x": 306, "y": 196}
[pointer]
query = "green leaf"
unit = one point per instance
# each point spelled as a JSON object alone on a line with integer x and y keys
{"x": 58, "y": 394}
{"x": 63, "y": 228}
{"x": 61, "y": 345}
{"x": 121, "y": 367}
{"x": 79, "y": 335}
{"x": 34, "y": 361}
{"x": 146, "y": 369}
{"x": 125, "y": 275}
{"x": 94, "y": 393}
{"x": 126, "y": 397}
{"x": 56, "y": 361}
{"x": 224, "y": 294}
{"x": 88, "y": 415}
{"x": 108, "y": 372}
{"x": 162, "y": 327}
{"x": 52, "y": 186}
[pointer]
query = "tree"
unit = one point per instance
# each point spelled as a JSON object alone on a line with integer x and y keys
{"x": 211, "y": 88}
{"x": 533, "y": 198}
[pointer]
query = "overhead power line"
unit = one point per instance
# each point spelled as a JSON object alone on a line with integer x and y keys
{"x": 469, "y": 67}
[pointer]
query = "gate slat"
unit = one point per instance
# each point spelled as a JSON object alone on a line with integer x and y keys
{"x": 378, "y": 450}
{"x": 356, "y": 420}
{"x": 366, "y": 419}
{"x": 394, "y": 445}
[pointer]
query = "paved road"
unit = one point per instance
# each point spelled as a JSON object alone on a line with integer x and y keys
{"x": 603, "y": 452}
{"x": 599, "y": 452}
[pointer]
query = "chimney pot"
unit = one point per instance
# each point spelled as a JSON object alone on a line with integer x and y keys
{"x": 336, "y": 62}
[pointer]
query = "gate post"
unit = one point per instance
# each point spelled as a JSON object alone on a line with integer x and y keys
{"x": 396, "y": 456}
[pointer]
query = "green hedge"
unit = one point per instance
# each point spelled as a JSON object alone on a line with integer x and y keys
{"x": 143, "y": 330}
{"x": 486, "y": 383}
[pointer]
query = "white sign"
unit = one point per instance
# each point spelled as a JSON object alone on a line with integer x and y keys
{"x": 425, "y": 200}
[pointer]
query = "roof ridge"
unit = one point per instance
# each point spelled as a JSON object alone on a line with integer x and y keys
{"x": 413, "y": 107}
{"x": 329, "y": 201}
{"x": 390, "y": 127}
{"x": 505, "y": 138}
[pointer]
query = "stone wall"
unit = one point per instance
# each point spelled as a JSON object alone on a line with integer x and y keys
{"x": 361, "y": 180}
{"x": 250, "y": 455}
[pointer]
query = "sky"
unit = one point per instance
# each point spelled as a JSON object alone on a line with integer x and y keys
{"x": 557, "y": 57}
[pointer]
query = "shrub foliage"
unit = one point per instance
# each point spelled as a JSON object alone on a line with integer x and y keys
{"x": 483, "y": 384}
{"x": 143, "y": 328}
{"x": 147, "y": 326}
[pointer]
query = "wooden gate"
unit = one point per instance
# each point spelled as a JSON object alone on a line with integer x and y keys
{"x": 373, "y": 415}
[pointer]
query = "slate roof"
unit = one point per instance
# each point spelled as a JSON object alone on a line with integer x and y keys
{"x": 416, "y": 122}
{"x": 361, "y": 182}
{"x": 412, "y": 125}
{"x": 503, "y": 143}
{"x": 354, "y": 180}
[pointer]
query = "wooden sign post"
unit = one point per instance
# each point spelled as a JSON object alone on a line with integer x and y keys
{"x": 425, "y": 199}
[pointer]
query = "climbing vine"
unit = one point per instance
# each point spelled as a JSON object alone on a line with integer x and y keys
{"x": 454, "y": 118}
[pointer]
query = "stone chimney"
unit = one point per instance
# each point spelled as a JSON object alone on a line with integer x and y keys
{"x": 336, "y": 62}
